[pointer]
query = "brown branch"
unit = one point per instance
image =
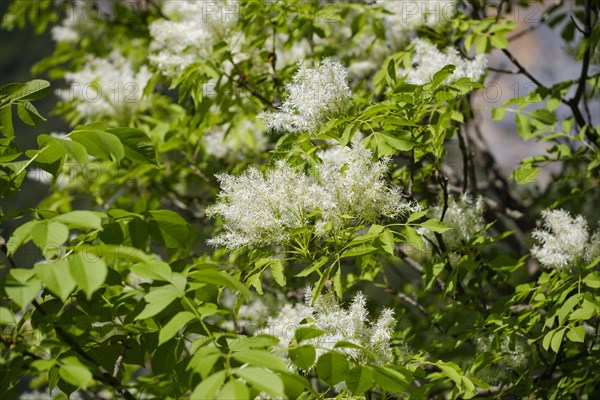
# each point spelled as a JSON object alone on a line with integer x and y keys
{"x": 104, "y": 376}
{"x": 523, "y": 70}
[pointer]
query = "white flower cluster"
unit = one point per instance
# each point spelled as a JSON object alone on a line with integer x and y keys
{"x": 513, "y": 357}
{"x": 106, "y": 87}
{"x": 464, "y": 215}
{"x": 232, "y": 143}
{"x": 191, "y": 32}
{"x": 564, "y": 240}
{"x": 263, "y": 209}
{"x": 406, "y": 16}
{"x": 78, "y": 21}
{"x": 350, "y": 325}
{"x": 314, "y": 95}
{"x": 429, "y": 60}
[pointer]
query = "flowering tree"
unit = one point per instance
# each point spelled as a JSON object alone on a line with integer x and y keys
{"x": 256, "y": 200}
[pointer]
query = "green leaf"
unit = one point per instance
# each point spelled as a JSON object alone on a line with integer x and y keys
{"x": 435, "y": 225}
{"x": 499, "y": 41}
{"x": 21, "y": 286}
{"x": 359, "y": 379}
{"x": 526, "y": 174}
{"x": 396, "y": 140}
{"x": 309, "y": 332}
{"x": 6, "y": 316}
{"x": 74, "y": 149}
{"x": 88, "y": 272}
{"x": 296, "y": 386}
{"x": 112, "y": 233}
{"x": 28, "y": 113}
{"x": 51, "y": 151}
{"x": 47, "y": 233}
{"x": 498, "y": 113}
{"x": 158, "y": 299}
{"x": 349, "y": 132}
{"x": 203, "y": 360}
{"x": 332, "y": 368}
{"x": 360, "y": 250}
{"x": 234, "y": 389}
{"x": 481, "y": 44}
{"x": 168, "y": 228}
{"x": 261, "y": 358}
{"x": 138, "y": 232}
{"x": 303, "y": 357}
{"x": 6, "y": 124}
{"x": 576, "y": 334}
{"x": 207, "y": 389}
{"x": 137, "y": 145}
{"x": 557, "y": 339}
{"x": 440, "y": 76}
{"x": 587, "y": 311}
{"x": 317, "y": 264}
{"x": 544, "y": 116}
{"x": 32, "y": 90}
{"x": 80, "y": 219}
{"x": 57, "y": 277}
{"x": 213, "y": 275}
{"x": 99, "y": 143}
{"x": 412, "y": 237}
{"x": 174, "y": 325}
{"x": 566, "y": 308}
{"x": 387, "y": 241}
{"x": 277, "y": 271}
{"x": 451, "y": 370}
{"x": 592, "y": 280}
{"x": 20, "y": 236}
{"x": 523, "y": 126}
{"x": 391, "y": 70}
{"x": 155, "y": 270}
{"x": 547, "y": 339}
{"x": 262, "y": 380}
{"x": 392, "y": 380}
{"x": 76, "y": 375}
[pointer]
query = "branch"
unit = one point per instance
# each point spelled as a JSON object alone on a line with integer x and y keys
{"x": 119, "y": 361}
{"x": 573, "y": 103}
{"x": 522, "y": 69}
{"x": 104, "y": 377}
{"x": 242, "y": 83}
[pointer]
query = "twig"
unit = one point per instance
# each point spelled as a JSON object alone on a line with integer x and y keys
{"x": 104, "y": 377}
{"x": 522, "y": 69}
{"x": 119, "y": 361}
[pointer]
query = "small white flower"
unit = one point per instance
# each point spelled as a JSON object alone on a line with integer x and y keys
{"x": 314, "y": 95}
{"x": 350, "y": 325}
{"x": 106, "y": 87}
{"x": 261, "y": 209}
{"x": 464, "y": 215}
{"x": 563, "y": 240}
{"x": 429, "y": 60}
{"x": 593, "y": 249}
{"x": 514, "y": 358}
{"x": 78, "y": 21}
{"x": 191, "y": 32}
